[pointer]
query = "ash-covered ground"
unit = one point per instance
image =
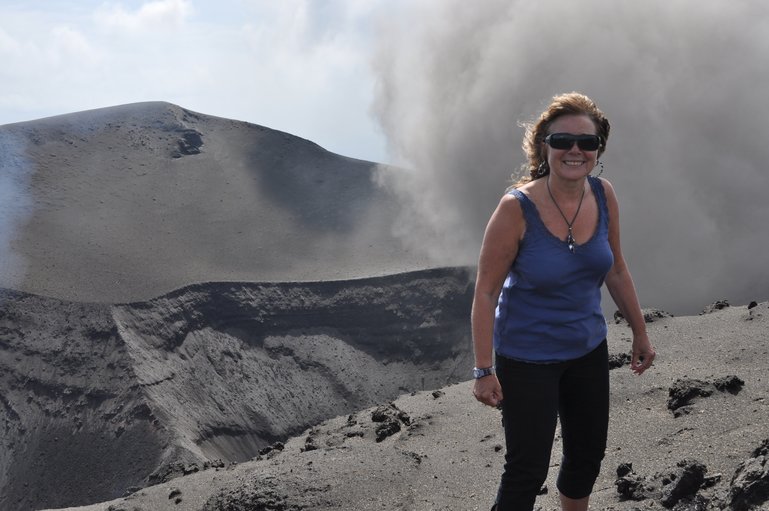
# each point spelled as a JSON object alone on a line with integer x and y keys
{"x": 691, "y": 434}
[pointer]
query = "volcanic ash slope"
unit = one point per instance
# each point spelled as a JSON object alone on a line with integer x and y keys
{"x": 441, "y": 450}
{"x": 102, "y": 399}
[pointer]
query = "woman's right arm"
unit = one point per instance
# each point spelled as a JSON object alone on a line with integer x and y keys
{"x": 500, "y": 246}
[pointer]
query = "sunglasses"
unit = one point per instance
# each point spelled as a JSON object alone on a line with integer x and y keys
{"x": 566, "y": 141}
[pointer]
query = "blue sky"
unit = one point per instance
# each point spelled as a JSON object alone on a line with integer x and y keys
{"x": 301, "y": 66}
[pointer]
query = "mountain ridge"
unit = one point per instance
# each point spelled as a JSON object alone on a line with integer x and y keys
{"x": 129, "y": 202}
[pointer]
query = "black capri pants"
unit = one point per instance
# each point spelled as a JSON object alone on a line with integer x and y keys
{"x": 535, "y": 395}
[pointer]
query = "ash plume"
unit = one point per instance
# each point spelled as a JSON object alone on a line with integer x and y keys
{"x": 15, "y": 204}
{"x": 680, "y": 82}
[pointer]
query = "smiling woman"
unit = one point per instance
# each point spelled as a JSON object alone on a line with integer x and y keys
{"x": 548, "y": 249}
{"x": 593, "y": 139}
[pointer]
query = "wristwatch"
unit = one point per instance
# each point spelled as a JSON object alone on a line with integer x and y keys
{"x": 480, "y": 373}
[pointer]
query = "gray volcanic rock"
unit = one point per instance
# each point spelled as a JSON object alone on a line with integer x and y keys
{"x": 133, "y": 394}
{"x": 389, "y": 418}
{"x": 683, "y": 482}
{"x": 750, "y": 484}
{"x": 258, "y": 496}
{"x": 673, "y": 488}
{"x": 126, "y": 203}
{"x": 685, "y": 390}
{"x": 679, "y": 488}
{"x": 715, "y": 306}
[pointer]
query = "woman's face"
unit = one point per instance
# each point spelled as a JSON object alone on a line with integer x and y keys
{"x": 573, "y": 163}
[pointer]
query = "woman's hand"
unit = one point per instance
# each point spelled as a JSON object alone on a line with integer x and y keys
{"x": 643, "y": 354}
{"x": 488, "y": 391}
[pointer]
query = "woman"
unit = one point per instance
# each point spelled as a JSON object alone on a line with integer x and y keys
{"x": 550, "y": 245}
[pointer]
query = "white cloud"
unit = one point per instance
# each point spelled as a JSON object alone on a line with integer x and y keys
{"x": 8, "y": 44}
{"x": 69, "y": 47}
{"x": 151, "y": 15}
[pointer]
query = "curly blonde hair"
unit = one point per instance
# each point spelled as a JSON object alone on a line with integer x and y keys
{"x": 572, "y": 103}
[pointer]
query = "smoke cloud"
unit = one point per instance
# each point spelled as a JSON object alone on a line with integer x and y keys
{"x": 15, "y": 205}
{"x": 683, "y": 84}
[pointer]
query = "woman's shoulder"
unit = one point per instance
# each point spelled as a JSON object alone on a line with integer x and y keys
{"x": 605, "y": 183}
{"x": 511, "y": 201}
{"x": 524, "y": 191}
{"x": 518, "y": 196}
{"x": 511, "y": 205}
{"x": 606, "y": 186}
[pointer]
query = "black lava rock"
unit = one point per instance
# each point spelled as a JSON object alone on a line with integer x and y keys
{"x": 684, "y": 390}
{"x": 750, "y": 484}
{"x": 617, "y": 360}
{"x": 683, "y": 483}
{"x": 389, "y": 418}
{"x": 630, "y": 486}
{"x": 731, "y": 384}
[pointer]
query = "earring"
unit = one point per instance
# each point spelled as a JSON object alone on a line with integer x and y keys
{"x": 600, "y": 171}
{"x": 543, "y": 169}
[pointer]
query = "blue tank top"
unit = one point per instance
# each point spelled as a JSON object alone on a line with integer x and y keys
{"x": 549, "y": 309}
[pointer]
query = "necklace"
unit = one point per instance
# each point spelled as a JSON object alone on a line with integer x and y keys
{"x": 570, "y": 238}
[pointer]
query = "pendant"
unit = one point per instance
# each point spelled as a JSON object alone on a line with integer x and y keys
{"x": 570, "y": 238}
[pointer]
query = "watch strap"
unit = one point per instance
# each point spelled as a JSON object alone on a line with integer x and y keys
{"x": 481, "y": 372}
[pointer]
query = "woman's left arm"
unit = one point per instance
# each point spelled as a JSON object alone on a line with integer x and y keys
{"x": 622, "y": 290}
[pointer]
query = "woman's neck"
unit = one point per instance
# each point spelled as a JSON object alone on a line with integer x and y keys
{"x": 566, "y": 189}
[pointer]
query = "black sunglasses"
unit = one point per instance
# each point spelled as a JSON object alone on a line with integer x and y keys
{"x": 566, "y": 141}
